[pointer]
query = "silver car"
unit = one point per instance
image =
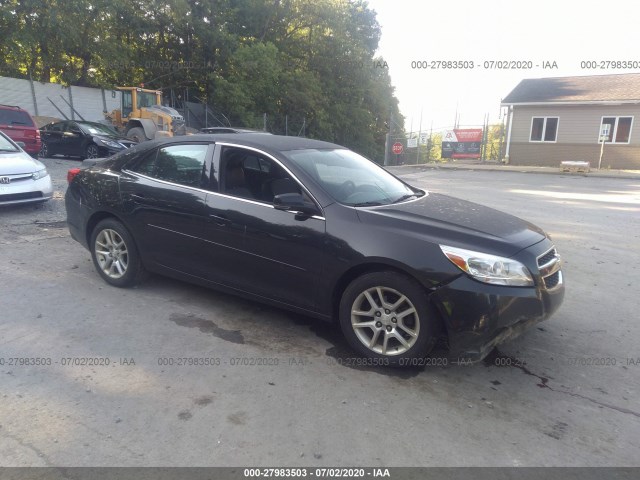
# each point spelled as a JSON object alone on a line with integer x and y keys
{"x": 22, "y": 178}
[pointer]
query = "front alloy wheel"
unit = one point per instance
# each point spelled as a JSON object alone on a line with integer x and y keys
{"x": 115, "y": 255}
{"x": 44, "y": 150}
{"x": 385, "y": 321}
{"x": 386, "y": 315}
{"x": 92, "y": 151}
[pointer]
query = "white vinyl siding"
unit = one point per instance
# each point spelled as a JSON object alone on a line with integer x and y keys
{"x": 580, "y": 123}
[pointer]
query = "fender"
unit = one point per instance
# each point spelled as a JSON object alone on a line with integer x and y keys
{"x": 148, "y": 125}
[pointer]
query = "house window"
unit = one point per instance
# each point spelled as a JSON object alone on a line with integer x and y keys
{"x": 544, "y": 129}
{"x": 619, "y": 129}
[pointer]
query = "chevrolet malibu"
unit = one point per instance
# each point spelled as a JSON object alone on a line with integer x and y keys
{"x": 316, "y": 228}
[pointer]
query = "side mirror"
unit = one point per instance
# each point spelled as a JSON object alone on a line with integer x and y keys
{"x": 294, "y": 202}
{"x": 21, "y": 144}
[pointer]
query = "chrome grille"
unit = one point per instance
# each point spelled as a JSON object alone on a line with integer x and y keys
{"x": 547, "y": 257}
{"x": 552, "y": 280}
{"x": 549, "y": 266}
{"x": 16, "y": 178}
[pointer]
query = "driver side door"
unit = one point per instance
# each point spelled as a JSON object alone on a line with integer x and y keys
{"x": 271, "y": 253}
{"x": 71, "y": 141}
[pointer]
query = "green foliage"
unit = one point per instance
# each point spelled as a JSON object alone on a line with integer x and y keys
{"x": 495, "y": 141}
{"x": 310, "y": 62}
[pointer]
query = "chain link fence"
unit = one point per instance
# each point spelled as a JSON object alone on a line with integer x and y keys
{"x": 426, "y": 147}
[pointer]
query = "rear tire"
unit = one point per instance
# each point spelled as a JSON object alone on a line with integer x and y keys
{"x": 115, "y": 255}
{"x": 386, "y": 316}
{"x": 44, "y": 150}
{"x": 137, "y": 134}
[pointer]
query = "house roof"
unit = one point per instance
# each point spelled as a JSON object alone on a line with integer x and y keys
{"x": 623, "y": 88}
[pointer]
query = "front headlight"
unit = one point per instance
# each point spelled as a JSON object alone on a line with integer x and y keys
{"x": 489, "y": 268}
{"x": 40, "y": 174}
{"x": 109, "y": 143}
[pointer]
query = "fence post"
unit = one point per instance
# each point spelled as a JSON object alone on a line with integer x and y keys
{"x": 33, "y": 95}
{"x": 73, "y": 115}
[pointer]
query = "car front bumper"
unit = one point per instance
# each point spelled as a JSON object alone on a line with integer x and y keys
{"x": 479, "y": 316}
{"x": 26, "y": 191}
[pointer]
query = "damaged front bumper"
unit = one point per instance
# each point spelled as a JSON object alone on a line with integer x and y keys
{"x": 479, "y": 316}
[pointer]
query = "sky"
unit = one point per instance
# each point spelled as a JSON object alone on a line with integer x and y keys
{"x": 540, "y": 32}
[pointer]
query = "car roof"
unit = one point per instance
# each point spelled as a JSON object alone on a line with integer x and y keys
{"x": 234, "y": 129}
{"x": 12, "y": 107}
{"x": 273, "y": 143}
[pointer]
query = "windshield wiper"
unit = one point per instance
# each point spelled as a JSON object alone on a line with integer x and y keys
{"x": 367, "y": 204}
{"x": 407, "y": 197}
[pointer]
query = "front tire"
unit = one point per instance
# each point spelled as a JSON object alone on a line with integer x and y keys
{"x": 137, "y": 134}
{"x": 115, "y": 255}
{"x": 92, "y": 151}
{"x": 386, "y": 316}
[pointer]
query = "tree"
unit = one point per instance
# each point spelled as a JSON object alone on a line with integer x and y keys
{"x": 296, "y": 59}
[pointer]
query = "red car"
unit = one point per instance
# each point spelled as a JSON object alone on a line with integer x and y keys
{"x": 18, "y": 125}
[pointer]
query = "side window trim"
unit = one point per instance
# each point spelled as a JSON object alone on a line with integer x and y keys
{"x": 205, "y": 181}
{"x": 305, "y": 190}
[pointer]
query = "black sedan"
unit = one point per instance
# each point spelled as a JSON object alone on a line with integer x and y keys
{"x": 315, "y": 228}
{"x": 81, "y": 139}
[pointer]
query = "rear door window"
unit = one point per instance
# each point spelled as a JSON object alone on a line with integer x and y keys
{"x": 181, "y": 164}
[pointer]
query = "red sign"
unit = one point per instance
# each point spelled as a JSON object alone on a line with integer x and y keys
{"x": 462, "y": 143}
{"x": 397, "y": 148}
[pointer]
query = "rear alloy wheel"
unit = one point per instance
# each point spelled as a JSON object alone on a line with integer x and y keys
{"x": 44, "y": 150}
{"x": 115, "y": 255}
{"x": 92, "y": 151}
{"x": 385, "y": 315}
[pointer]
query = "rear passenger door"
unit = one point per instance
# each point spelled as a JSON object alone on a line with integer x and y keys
{"x": 165, "y": 197}
{"x": 71, "y": 141}
{"x": 52, "y": 135}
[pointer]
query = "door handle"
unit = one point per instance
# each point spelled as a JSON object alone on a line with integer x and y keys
{"x": 219, "y": 220}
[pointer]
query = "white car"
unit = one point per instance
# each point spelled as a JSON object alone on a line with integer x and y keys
{"x": 22, "y": 178}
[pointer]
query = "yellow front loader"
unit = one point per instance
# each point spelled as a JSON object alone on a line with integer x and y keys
{"x": 142, "y": 116}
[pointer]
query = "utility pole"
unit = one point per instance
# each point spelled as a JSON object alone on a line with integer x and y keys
{"x": 455, "y": 119}
{"x": 485, "y": 137}
{"x": 430, "y": 142}
{"x": 387, "y": 142}
{"x": 501, "y": 137}
{"x": 419, "y": 133}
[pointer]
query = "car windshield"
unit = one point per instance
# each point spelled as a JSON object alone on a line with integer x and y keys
{"x": 6, "y": 145}
{"x": 350, "y": 178}
{"x": 96, "y": 128}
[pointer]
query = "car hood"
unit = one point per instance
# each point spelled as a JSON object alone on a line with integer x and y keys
{"x": 448, "y": 220}
{"x": 18, "y": 162}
